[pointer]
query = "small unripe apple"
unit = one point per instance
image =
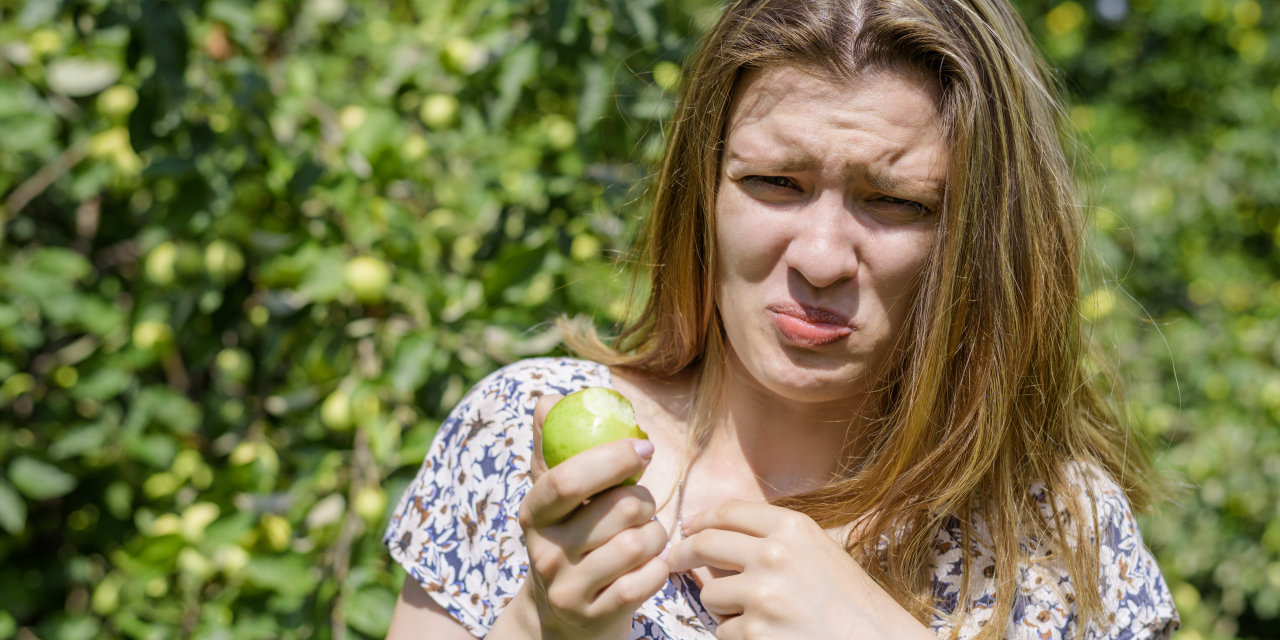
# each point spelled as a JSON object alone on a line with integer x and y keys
{"x": 117, "y": 102}
{"x": 160, "y": 263}
{"x": 152, "y": 335}
{"x": 370, "y": 503}
{"x": 368, "y": 278}
{"x": 223, "y": 261}
{"x": 586, "y": 419}
{"x": 335, "y": 412}
{"x": 235, "y": 364}
{"x": 438, "y": 110}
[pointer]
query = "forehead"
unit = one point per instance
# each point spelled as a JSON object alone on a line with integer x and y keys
{"x": 882, "y": 122}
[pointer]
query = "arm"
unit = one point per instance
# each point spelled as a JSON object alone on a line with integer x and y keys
{"x": 591, "y": 565}
{"x": 417, "y": 617}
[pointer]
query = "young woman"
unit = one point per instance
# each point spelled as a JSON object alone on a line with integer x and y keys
{"x": 859, "y": 365}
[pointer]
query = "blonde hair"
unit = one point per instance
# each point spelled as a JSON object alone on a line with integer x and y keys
{"x": 984, "y": 395}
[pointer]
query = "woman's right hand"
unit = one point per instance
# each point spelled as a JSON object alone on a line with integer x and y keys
{"x": 593, "y": 564}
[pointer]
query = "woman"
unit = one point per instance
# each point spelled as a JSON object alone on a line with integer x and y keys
{"x": 859, "y": 366}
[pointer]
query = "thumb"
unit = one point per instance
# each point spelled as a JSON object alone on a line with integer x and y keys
{"x": 538, "y": 466}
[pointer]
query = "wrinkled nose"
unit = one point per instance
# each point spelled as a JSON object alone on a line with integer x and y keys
{"x": 823, "y": 250}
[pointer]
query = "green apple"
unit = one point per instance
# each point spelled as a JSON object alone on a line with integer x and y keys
{"x": 438, "y": 110}
{"x": 367, "y": 277}
{"x": 335, "y": 412}
{"x": 160, "y": 263}
{"x": 152, "y": 335}
{"x": 223, "y": 261}
{"x": 585, "y": 419}
{"x": 117, "y": 102}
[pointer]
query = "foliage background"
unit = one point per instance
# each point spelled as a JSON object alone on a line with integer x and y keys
{"x": 253, "y": 252}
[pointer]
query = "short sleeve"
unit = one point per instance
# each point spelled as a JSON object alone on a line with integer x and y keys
{"x": 1136, "y": 600}
{"x": 455, "y": 529}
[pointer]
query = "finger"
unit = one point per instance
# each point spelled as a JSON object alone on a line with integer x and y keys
{"x": 726, "y": 597}
{"x": 732, "y": 628}
{"x": 622, "y": 554}
{"x": 713, "y": 548}
{"x": 607, "y": 515}
{"x": 563, "y": 489}
{"x": 757, "y": 519}
{"x": 538, "y": 466}
{"x": 632, "y": 588}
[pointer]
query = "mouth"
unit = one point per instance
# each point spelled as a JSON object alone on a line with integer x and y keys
{"x": 808, "y": 326}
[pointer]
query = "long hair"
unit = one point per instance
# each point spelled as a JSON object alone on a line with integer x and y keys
{"x": 984, "y": 395}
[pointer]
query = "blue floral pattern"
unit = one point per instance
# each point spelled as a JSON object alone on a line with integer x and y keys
{"x": 455, "y": 530}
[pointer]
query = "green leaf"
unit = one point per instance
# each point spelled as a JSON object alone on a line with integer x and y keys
{"x": 80, "y": 440}
{"x": 381, "y": 128}
{"x": 62, "y": 263}
{"x": 76, "y": 628}
{"x": 513, "y": 266}
{"x": 517, "y": 68}
{"x": 369, "y": 611}
{"x": 161, "y": 405}
{"x": 103, "y": 384}
{"x": 155, "y": 450}
{"x": 289, "y": 574}
{"x": 40, "y": 480}
{"x": 99, "y": 317}
{"x": 228, "y": 529}
{"x": 173, "y": 410}
{"x": 323, "y": 281}
{"x": 9, "y": 316}
{"x": 236, "y": 15}
{"x": 595, "y": 97}
{"x": 119, "y": 499}
{"x": 413, "y": 363}
{"x": 13, "y": 514}
{"x": 26, "y": 134}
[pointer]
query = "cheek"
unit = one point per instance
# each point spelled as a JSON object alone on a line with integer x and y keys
{"x": 750, "y": 241}
{"x": 900, "y": 266}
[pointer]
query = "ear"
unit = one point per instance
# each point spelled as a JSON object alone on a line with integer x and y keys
{"x": 538, "y": 466}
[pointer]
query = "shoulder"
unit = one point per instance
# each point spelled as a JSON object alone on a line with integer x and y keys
{"x": 1091, "y": 496}
{"x": 1135, "y": 598}
{"x": 1090, "y": 508}
{"x": 533, "y": 378}
{"x": 499, "y": 408}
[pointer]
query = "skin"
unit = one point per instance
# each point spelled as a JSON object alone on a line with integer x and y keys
{"x": 825, "y": 210}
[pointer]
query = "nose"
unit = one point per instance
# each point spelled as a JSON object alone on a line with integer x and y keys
{"x": 823, "y": 249}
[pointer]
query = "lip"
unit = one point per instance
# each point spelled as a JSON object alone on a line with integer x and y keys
{"x": 808, "y": 326}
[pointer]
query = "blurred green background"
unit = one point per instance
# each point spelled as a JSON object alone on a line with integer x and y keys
{"x": 253, "y": 252}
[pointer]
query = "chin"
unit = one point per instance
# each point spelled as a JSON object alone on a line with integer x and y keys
{"x": 801, "y": 375}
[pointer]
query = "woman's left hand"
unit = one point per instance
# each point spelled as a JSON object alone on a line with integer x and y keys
{"x": 793, "y": 580}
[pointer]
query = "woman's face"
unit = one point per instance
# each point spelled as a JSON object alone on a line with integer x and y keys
{"x": 828, "y": 198}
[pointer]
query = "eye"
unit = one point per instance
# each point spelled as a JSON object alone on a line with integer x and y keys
{"x": 772, "y": 182}
{"x": 923, "y": 210}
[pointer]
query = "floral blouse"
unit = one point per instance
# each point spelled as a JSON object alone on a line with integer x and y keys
{"x": 456, "y": 532}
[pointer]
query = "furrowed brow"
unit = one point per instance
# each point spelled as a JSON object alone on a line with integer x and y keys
{"x": 788, "y": 164}
{"x": 889, "y": 184}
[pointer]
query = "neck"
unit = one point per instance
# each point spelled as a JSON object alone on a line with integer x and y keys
{"x": 790, "y": 446}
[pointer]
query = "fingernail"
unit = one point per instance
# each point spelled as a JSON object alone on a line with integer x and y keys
{"x": 687, "y": 521}
{"x": 666, "y": 551}
{"x": 644, "y": 449}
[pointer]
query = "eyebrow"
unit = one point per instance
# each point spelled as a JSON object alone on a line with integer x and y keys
{"x": 781, "y": 165}
{"x": 889, "y": 184}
